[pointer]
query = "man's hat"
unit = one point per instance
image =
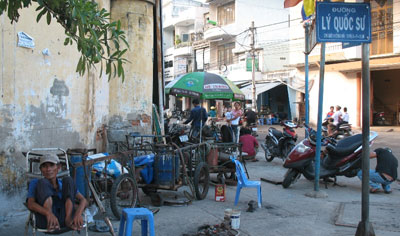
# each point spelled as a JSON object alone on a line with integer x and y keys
{"x": 52, "y": 158}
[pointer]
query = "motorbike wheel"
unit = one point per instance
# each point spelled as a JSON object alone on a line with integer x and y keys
{"x": 201, "y": 180}
{"x": 124, "y": 194}
{"x": 290, "y": 177}
{"x": 268, "y": 155}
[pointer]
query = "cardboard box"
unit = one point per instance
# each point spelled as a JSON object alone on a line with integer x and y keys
{"x": 220, "y": 190}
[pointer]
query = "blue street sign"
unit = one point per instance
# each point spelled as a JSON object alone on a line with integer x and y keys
{"x": 343, "y": 22}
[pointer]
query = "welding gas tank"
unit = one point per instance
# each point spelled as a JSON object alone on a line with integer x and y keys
{"x": 166, "y": 167}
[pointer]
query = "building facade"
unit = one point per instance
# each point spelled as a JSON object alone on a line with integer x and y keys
{"x": 182, "y": 25}
{"x": 230, "y": 39}
{"x": 343, "y": 67}
{"x": 45, "y": 103}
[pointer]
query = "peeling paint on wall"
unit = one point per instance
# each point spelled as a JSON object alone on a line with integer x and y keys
{"x": 45, "y": 104}
{"x": 59, "y": 88}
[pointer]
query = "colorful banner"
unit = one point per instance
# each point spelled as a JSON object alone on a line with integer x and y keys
{"x": 309, "y": 7}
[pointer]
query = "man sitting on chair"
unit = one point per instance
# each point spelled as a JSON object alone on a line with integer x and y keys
{"x": 52, "y": 199}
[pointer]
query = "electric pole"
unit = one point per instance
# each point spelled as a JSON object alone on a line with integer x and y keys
{"x": 253, "y": 66}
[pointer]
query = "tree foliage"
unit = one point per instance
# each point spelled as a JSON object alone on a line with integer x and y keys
{"x": 97, "y": 39}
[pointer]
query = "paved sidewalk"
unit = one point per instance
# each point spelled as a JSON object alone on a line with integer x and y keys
{"x": 284, "y": 212}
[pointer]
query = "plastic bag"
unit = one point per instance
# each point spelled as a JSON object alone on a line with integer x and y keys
{"x": 113, "y": 169}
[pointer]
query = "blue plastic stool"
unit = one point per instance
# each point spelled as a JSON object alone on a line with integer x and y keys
{"x": 129, "y": 215}
{"x": 243, "y": 182}
{"x": 261, "y": 121}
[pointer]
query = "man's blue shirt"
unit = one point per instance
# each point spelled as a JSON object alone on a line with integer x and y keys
{"x": 195, "y": 115}
{"x": 33, "y": 184}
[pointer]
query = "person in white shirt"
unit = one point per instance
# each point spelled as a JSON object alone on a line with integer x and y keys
{"x": 345, "y": 115}
{"x": 236, "y": 114}
{"x": 337, "y": 117}
{"x": 228, "y": 115}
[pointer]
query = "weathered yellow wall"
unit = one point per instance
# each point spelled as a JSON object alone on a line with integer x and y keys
{"x": 137, "y": 20}
{"x": 44, "y": 103}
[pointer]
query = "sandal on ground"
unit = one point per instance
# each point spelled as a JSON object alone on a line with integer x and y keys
{"x": 374, "y": 190}
{"x": 388, "y": 191}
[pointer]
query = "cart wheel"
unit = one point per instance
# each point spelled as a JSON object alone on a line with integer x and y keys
{"x": 123, "y": 194}
{"x": 148, "y": 191}
{"x": 201, "y": 180}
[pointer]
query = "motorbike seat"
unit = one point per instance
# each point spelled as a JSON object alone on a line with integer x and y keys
{"x": 345, "y": 126}
{"x": 226, "y": 134}
{"x": 278, "y": 134}
{"x": 344, "y": 147}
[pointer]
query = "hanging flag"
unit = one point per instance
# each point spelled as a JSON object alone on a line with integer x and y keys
{"x": 303, "y": 14}
{"x": 309, "y": 7}
{"x": 291, "y": 3}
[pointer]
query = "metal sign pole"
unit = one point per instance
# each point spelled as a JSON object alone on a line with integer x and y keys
{"x": 364, "y": 226}
{"x": 307, "y": 118}
{"x": 319, "y": 124}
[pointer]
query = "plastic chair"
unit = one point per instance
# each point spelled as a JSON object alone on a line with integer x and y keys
{"x": 128, "y": 217}
{"x": 32, "y": 172}
{"x": 32, "y": 222}
{"x": 243, "y": 182}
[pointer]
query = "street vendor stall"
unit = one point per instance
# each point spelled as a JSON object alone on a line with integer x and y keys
{"x": 209, "y": 86}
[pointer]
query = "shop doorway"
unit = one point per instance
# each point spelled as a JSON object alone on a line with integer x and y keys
{"x": 276, "y": 101}
{"x": 385, "y": 97}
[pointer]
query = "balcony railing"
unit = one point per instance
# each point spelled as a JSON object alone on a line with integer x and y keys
{"x": 183, "y": 44}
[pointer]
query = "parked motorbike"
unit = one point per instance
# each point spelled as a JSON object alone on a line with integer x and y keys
{"x": 343, "y": 131}
{"x": 253, "y": 128}
{"x": 177, "y": 114}
{"x": 178, "y": 133}
{"x": 279, "y": 144}
{"x": 342, "y": 159}
{"x": 379, "y": 118}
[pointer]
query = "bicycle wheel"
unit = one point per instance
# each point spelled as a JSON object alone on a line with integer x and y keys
{"x": 124, "y": 193}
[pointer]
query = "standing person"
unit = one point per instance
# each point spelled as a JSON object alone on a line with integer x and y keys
{"x": 385, "y": 172}
{"x": 198, "y": 117}
{"x": 249, "y": 144}
{"x": 52, "y": 199}
{"x": 236, "y": 114}
{"x": 212, "y": 113}
{"x": 251, "y": 117}
{"x": 228, "y": 115}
